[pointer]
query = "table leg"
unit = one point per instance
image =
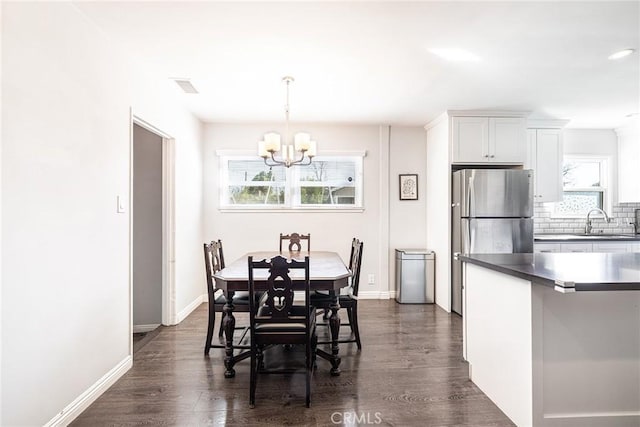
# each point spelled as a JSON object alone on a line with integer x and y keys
{"x": 229, "y": 325}
{"x": 334, "y": 325}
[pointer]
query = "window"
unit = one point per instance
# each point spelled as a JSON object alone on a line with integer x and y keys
{"x": 330, "y": 182}
{"x": 584, "y": 186}
{"x": 251, "y": 182}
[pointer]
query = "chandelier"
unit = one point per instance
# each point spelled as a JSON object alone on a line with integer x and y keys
{"x": 300, "y": 153}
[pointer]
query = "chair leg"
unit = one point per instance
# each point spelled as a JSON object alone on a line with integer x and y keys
{"x": 314, "y": 348}
{"x": 310, "y": 356}
{"x": 253, "y": 378}
{"x": 221, "y": 323}
{"x": 260, "y": 357}
{"x": 354, "y": 325}
{"x": 210, "y": 328}
{"x": 350, "y": 315}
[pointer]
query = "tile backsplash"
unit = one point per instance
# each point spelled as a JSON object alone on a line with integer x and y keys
{"x": 622, "y": 217}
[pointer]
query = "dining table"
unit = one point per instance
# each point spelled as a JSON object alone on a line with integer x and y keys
{"x": 327, "y": 272}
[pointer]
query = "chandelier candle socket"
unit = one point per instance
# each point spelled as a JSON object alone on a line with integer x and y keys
{"x": 302, "y": 144}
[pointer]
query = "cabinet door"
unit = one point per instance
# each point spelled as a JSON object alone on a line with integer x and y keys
{"x": 628, "y": 161}
{"x": 507, "y": 140}
{"x": 548, "y": 183}
{"x": 470, "y": 139}
{"x": 610, "y": 247}
{"x": 576, "y": 247}
{"x": 546, "y": 247}
{"x": 531, "y": 151}
{"x": 633, "y": 247}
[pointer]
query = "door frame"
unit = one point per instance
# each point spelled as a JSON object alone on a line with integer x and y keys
{"x": 168, "y": 223}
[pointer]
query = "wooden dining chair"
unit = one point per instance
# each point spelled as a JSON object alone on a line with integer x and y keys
{"x": 295, "y": 241}
{"x": 275, "y": 319}
{"x": 322, "y": 301}
{"x": 214, "y": 262}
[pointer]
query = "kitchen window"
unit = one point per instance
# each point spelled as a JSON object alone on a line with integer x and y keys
{"x": 329, "y": 182}
{"x": 585, "y": 186}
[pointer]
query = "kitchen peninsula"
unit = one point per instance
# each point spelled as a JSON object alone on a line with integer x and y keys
{"x": 554, "y": 338}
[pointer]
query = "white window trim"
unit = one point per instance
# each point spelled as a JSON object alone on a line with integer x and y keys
{"x": 290, "y": 178}
{"x": 605, "y": 187}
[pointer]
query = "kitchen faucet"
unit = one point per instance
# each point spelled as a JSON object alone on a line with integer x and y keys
{"x": 589, "y": 227}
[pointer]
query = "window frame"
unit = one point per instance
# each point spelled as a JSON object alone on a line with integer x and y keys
{"x": 604, "y": 188}
{"x": 225, "y": 183}
{"x": 291, "y": 184}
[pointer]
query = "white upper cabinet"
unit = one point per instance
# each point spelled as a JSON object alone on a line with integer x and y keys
{"x": 507, "y": 140}
{"x": 470, "y": 138}
{"x": 545, "y": 158}
{"x": 479, "y": 140}
{"x": 629, "y": 162}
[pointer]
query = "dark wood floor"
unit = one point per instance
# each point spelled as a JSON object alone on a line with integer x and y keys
{"x": 142, "y": 339}
{"x": 409, "y": 372}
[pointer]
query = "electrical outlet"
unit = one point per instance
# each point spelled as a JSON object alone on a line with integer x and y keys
{"x": 372, "y": 279}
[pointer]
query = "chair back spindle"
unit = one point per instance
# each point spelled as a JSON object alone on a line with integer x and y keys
{"x": 295, "y": 241}
{"x": 355, "y": 262}
{"x": 279, "y": 289}
{"x": 213, "y": 261}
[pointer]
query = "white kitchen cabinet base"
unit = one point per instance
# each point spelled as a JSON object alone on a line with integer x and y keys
{"x": 553, "y": 359}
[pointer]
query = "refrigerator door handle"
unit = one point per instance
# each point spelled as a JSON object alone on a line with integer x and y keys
{"x": 471, "y": 196}
{"x": 468, "y": 237}
{"x": 472, "y": 237}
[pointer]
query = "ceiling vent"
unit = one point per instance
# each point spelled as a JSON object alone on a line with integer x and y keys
{"x": 185, "y": 85}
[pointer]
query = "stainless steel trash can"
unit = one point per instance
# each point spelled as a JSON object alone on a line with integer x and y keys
{"x": 415, "y": 281}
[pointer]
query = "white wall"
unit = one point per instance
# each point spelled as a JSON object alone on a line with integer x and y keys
{"x": 438, "y": 197}
{"x": 1, "y": 133}
{"x": 246, "y": 231}
{"x": 589, "y": 141}
{"x": 407, "y": 218}
{"x": 67, "y": 94}
{"x": 157, "y": 105}
{"x": 629, "y": 157}
{"x": 385, "y": 223}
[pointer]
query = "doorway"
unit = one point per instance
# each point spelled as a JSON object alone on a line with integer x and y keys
{"x": 151, "y": 237}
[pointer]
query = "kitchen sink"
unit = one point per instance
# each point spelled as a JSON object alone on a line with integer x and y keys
{"x": 583, "y": 236}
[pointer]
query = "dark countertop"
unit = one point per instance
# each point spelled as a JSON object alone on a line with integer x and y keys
{"x": 586, "y": 238}
{"x": 577, "y": 271}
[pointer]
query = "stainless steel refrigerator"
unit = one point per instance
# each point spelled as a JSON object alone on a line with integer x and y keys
{"x": 492, "y": 212}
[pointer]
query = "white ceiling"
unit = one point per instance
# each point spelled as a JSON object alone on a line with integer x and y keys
{"x": 369, "y": 62}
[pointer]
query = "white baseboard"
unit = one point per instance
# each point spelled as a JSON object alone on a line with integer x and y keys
{"x": 374, "y": 295}
{"x": 188, "y": 309}
{"x": 144, "y": 328}
{"x": 82, "y": 402}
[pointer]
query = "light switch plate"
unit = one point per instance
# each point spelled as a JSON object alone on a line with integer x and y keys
{"x": 121, "y": 206}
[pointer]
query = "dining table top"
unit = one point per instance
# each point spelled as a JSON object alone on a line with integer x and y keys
{"x": 324, "y": 266}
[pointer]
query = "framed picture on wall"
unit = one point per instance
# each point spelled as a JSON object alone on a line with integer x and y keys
{"x": 409, "y": 187}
